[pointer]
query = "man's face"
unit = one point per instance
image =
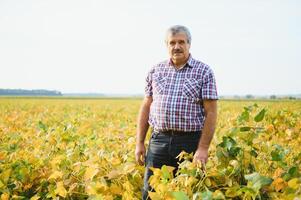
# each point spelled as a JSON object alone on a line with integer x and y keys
{"x": 178, "y": 47}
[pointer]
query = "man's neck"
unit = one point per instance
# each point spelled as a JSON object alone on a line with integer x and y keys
{"x": 179, "y": 65}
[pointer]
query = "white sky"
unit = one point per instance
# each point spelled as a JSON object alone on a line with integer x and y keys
{"x": 254, "y": 47}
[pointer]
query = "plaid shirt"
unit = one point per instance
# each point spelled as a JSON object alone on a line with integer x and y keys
{"x": 178, "y": 93}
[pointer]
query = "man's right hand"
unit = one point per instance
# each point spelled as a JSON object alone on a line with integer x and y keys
{"x": 140, "y": 153}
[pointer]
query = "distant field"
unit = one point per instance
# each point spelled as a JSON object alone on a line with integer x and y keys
{"x": 79, "y": 148}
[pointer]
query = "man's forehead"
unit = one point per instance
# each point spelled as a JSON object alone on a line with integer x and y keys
{"x": 177, "y": 36}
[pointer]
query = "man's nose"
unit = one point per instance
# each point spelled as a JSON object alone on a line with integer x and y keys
{"x": 177, "y": 46}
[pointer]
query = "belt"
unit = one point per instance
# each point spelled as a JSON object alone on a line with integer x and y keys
{"x": 173, "y": 132}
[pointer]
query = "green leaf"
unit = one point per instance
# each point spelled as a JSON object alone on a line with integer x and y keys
{"x": 234, "y": 151}
{"x": 245, "y": 128}
{"x": 165, "y": 172}
{"x": 277, "y": 155}
{"x": 254, "y": 153}
{"x": 207, "y": 195}
{"x": 248, "y": 192}
{"x": 244, "y": 116}
{"x": 228, "y": 142}
{"x": 294, "y": 172}
{"x": 259, "y": 117}
{"x": 42, "y": 126}
{"x": 218, "y": 195}
{"x": 256, "y": 181}
{"x": 180, "y": 195}
{"x": 233, "y": 192}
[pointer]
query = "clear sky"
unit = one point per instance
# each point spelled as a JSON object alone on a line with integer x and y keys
{"x": 253, "y": 47}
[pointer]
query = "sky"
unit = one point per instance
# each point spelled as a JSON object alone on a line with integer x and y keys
{"x": 97, "y": 46}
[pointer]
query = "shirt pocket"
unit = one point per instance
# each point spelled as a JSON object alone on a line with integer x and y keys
{"x": 191, "y": 90}
{"x": 159, "y": 84}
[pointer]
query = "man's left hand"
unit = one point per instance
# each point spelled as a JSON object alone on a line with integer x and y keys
{"x": 201, "y": 155}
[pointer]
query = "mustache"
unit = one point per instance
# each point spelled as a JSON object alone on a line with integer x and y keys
{"x": 177, "y": 51}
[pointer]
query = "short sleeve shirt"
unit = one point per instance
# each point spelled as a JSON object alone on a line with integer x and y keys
{"x": 178, "y": 95}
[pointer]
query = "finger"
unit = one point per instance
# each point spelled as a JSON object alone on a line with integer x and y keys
{"x": 137, "y": 157}
{"x": 197, "y": 161}
{"x": 140, "y": 162}
{"x": 140, "y": 158}
{"x": 194, "y": 159}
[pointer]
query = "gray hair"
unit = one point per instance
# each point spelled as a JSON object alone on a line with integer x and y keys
{"x": 179, "y": 29}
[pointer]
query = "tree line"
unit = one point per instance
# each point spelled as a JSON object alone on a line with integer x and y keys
{"x": 22, "y": 92}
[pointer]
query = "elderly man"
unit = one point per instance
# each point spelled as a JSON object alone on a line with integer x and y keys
{"x": 180, "y": 105}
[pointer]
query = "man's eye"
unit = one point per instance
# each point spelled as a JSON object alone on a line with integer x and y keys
{"x": 172, "y": 43}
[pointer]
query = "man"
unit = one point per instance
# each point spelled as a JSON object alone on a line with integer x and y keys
{"x": 180, "y": 105}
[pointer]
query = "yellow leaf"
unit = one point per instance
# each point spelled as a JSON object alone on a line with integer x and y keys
{"x": 277, "y": 173}
{"x": 270, "y": 128}
{"x": 182, "y": 155}
{"x": 113, "y": 174}
{"x": 169, "y": 168}
{"x": 90, "y": 189}
{"x": 128, "y": 186}
{"x": 115, "y": 161}
{"x": 279, "y": 184}
{"x": 129, "y": 168}
{"x": 154, "y": 180}
{"x": 60, "y": 189}
{"x": 2, "y": 155}
{"x": 99, "y": 187}
{"x": 156, "y": 171}
{"x": 72, "y": 187}
{"x": 294, "y": 183}
{"x": 35, "y": 197}
{"x": 55, "y": 175}
{"x": 5, "y": 175}
{"x": 190, "y": 181}
{"x": 207, "y": 182}
{"x": 4, "y": 196}
{"x": 108, "y": 197}
{"x": 154, "y": 196}
{"x": 27, "y": 186}
{"x": 90, "y": 173}
{"x": 218, "y": 195}
{"x": 161, "y": 188}
{"x": 1, "y": 184}
{"x": 169, "y": 196}
{"x": 114, "y": 189}
{"x": 56, "y": 160}
{"x": 233, "y": 191}
{"x": 76, "y": 166}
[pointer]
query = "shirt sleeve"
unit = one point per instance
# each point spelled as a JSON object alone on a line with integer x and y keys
{"x": 209, "y": 90}
{"x": 148, "y": 90}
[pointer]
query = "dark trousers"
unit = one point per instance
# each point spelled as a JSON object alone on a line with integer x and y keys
{"x": 163, "y": 150}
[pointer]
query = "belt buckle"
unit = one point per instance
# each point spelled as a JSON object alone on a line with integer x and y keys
{"x": 173, "y": 132}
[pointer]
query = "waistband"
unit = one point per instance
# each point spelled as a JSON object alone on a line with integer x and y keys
{"x": 173, "y": 132}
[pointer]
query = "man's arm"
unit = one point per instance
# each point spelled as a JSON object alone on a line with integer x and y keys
{"x": 142, "y": 127}
{"x": 201, "y": 153}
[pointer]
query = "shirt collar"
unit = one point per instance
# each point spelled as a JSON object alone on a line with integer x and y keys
{"x": 189, "y": 62}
